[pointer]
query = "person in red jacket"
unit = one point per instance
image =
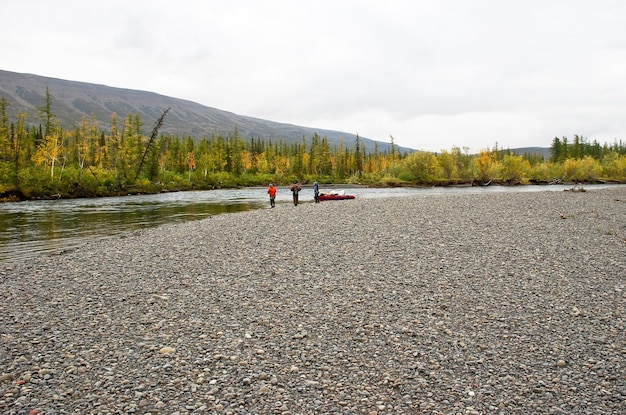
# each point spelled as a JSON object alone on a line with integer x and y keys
{"x": 272, "y": 192}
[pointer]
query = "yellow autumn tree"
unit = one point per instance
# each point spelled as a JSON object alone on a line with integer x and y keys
{"x": 514, "y": 168}
{"x": 422, "y": 165}
{"x": 486, "y": 165}
{"x": 50, "y": 150}
{"x": 262, "y": 163}
{"x": 247, "y": 160}
{"x": 191, "y": 163}
{"x": 448, "y": 165}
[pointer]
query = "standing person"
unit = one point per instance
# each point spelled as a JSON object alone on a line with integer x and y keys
{"x": 272, "y": 192}
{"x": 295, "y": 189}
{"x": 316, "y": 192}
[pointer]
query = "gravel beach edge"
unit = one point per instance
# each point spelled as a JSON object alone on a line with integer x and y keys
{"x": 511, "y": 303}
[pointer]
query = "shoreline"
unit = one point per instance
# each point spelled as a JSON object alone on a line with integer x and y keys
{"x": 16, "y": 196}
{"x": 478, "y": 303}
{"x": 29, "y": 232}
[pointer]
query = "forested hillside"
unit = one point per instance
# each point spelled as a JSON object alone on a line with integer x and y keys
{"x": 42, "y": 158}
{"x": 72, "y": 100}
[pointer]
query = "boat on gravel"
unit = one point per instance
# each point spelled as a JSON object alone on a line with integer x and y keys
{"x": 335, "y": 195}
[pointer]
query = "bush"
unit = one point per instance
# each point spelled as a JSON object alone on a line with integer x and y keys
{"x": 545, "y": 172}
{"x": 514, "y": 168}
{"x": 614, "y": 166}
{"x": 406, "y": 177}
{"x": 422, "y": 166}
{"x": 486, "y": 166}
{"x": 222, "y": 179}
{"x": 583, "y": 170}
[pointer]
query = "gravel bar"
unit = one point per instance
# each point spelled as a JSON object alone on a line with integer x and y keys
{"x": 506, "y": 303}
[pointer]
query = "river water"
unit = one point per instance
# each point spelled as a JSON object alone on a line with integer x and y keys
{"x": 33, "y": 228}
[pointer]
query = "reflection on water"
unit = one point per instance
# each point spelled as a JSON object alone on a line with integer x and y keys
{"x": 31, "y": 228}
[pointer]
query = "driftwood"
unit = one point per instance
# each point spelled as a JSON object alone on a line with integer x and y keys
{"x": 576, "y": 189}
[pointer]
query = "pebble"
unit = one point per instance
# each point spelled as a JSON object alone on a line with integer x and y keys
{"x": 472, "y": 304}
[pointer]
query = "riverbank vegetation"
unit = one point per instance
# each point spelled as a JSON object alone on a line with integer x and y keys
{"x": 41, "y": 159}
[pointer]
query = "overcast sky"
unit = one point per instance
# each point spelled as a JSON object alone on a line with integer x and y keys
{"x": 432, "y": 74}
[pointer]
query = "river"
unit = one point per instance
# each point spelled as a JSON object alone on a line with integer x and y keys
{"x": 33, "y": 228}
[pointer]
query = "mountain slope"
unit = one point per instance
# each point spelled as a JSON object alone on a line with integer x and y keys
{"x": 544, "y": 152}
{"x": 72, "y": 100}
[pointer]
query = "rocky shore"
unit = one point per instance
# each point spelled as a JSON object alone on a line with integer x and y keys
{"x": 511, "y": 303}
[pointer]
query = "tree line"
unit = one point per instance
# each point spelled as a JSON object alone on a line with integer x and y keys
{"x": 50, "y": 160}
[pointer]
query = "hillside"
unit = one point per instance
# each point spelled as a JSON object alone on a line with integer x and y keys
{"x": 72, "y": 100}
{"x": 544, "y": 152}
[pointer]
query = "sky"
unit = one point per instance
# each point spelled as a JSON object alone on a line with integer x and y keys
{"x": 431, "y": 74}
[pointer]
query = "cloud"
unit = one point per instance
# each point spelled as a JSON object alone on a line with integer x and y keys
{"x": 432, "y": 74}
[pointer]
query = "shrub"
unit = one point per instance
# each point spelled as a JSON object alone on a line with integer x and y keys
{"x": 514, "y": 168}
{"x": 614, "y": 166}
{"x": 406, "y": 177}
{"x": 423, "y": 166}
{"x": 586, "y": 169}
{"x": 486, "y": 166}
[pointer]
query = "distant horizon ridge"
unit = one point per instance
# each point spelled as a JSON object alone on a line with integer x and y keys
{"x": 72, "y": 100}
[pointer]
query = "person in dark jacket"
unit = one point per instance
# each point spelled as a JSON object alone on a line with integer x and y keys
{"x": 295, "y": 189}
{"x": 316, "y": 192}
